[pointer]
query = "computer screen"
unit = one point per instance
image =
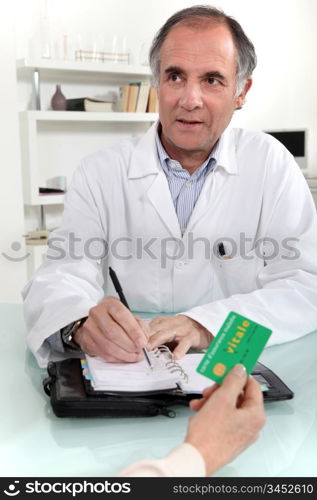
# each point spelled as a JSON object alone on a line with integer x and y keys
{"x": 295, "y": 142}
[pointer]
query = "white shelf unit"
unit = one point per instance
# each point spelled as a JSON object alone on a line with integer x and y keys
{"x": 312, "y": 183}
{"x": 90, "y": 67}
{"x": 30, "y": 120}
{"x": 36, "y": 256}
{"x": 89, "y": 116}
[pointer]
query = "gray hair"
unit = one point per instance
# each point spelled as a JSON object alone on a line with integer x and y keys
{"x": 246, "y": 57}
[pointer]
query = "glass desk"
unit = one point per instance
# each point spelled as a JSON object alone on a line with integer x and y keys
{"x": 36, "y": 443}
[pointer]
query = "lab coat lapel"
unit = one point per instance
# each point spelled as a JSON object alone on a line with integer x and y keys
{"x": 209, "y": 197}
{"x": 212, "y": 191}
{"x": 146, "y": 169}
{"x": 160, "y": 197}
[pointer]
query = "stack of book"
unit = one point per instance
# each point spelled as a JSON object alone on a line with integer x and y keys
{"x": 137, "y": 97}
{"x": 88, "y": 104}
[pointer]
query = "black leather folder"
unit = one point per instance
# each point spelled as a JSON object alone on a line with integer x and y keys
{"x": 71, "y": 394}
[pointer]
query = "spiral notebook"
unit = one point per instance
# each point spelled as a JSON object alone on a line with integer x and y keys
{"x": 166, "y": 374}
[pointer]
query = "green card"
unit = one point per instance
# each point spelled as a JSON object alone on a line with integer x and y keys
{"x": 239, "y": 340}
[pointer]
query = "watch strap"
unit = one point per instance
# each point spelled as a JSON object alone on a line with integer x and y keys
{"x": 68, "y": 333}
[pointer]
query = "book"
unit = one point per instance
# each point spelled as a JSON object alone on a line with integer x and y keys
{"x": 122, "y": 105}
{"x": 88, "y": 104}
{"x": 49, "y": 190}
{"x": 153, "y": 101}
{"x": 37, "y": 237}
{"x": 133, "y": 96}
{"x": 165, "y": 375}
{"x": 143, "y": 97}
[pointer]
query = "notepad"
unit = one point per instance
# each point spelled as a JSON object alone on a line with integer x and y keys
{"x": 166, "y": 374}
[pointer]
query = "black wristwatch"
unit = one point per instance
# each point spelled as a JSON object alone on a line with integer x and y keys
{"x": 68, "y": 332}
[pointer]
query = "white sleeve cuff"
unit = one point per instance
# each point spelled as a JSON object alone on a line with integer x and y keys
{"x": 183, "y": 461}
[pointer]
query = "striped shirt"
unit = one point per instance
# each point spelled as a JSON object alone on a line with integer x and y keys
{"x": 185, "y": 188}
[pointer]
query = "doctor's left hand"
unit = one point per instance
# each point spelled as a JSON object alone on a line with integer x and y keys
{"x": 181, "y": 332}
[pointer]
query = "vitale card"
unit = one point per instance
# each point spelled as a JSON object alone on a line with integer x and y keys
{"x": 239, "y": 340}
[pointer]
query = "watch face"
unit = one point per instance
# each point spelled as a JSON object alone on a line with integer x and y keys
{"x": 68, "y": 332}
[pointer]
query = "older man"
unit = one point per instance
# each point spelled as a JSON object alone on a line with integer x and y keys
{"x": 195, "y": 217}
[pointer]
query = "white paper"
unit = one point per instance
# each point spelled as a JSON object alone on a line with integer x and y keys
{"x": 137, "y": 377}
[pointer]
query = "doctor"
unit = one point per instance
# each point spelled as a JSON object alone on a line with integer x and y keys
{"x": 195, "y": 217}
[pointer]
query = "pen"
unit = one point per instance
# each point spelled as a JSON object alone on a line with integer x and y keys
{"x": 222, "y": 251}
{"x": 119, "y": 291}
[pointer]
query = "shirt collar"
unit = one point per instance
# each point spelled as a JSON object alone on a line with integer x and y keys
{"x": 146, "y": 146}
{"x": 165, "y": 159}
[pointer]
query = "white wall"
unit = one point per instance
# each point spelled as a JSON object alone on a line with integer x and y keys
{"x": 12, "y": 249}
{"x": 284, "y": 94}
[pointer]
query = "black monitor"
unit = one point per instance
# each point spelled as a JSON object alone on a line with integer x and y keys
{"x": 295, "y": 142}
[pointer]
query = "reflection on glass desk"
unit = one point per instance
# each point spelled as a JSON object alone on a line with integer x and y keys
{"x": 36, "y": 443}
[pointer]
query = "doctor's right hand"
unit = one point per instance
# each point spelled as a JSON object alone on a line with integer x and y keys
{"x": 112, "y": 332}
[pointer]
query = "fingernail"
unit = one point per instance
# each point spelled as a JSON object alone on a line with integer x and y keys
{"x": 239, "y": 370}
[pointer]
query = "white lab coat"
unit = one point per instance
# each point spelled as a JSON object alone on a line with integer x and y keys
{"x": 121, "y": 195}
